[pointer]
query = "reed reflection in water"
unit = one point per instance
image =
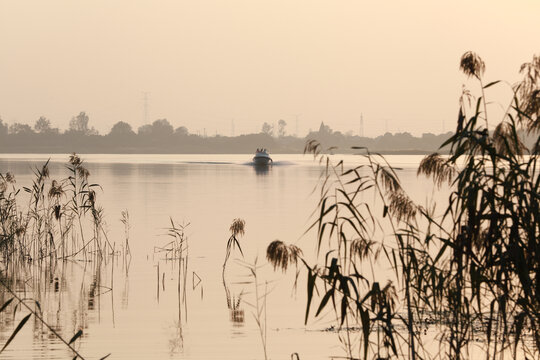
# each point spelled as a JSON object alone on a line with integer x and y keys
{"x": 119, "y": 310}
{"x": 69, "y": 295}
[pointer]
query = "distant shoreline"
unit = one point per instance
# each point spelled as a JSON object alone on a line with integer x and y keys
{"x": 161, "y": 138}
{"x": 348, "y": 152}
{"x": 155, "y": 142}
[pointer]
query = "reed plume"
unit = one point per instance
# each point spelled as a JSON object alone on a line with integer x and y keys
{"x": 505, "y": 142}
{"x": 237, "y": 227}
{"x": 9, "y": 178}
{"x": 388, "y": 179}
{"x": 436, "y": 166}
{"x": 529, "y": 93}
{"x": 472, "y": 65}
{"x": 56, "y": 190}
{"x": 361, "y": 248}
{"x": 281, "y": 255}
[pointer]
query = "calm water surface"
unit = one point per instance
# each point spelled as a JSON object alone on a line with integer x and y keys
{"x": 132, "y": 309}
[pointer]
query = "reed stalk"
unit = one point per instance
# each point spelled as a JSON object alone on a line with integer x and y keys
{"x": 481, "y": 253}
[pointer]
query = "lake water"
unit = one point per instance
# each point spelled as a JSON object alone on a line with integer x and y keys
{"x": 132, "y": 310}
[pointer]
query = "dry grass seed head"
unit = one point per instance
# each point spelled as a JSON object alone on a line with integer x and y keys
{"x": 56, "y": 190}
{"x": 125, "y": 217}
{"x": 312, "y": 147}
{"x": 434, "y": 165}
{"x": 361, "y": 248}
{"x": 529, "y": 93}
{"x": 45, "y": 171}
{"x": 10, "y": 178}
{"x": 74, "y": 159}
{"x": 466, "y": 96}
{"x": 401, "y": 206}
{"x": 472, "y": 65}
{"x": 83, "y": 173}
{"x": 277, "y": 254}
{"x": 238, "y": 227}
{"x": 389, "y": 181}
{"x": 531, "y": 69}
{"x": 504, "y": 141}
{"x": 390, "y": 294}
{"x": 294, "y": 254}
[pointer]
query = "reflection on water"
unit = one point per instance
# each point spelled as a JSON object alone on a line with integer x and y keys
{"x": 140, "y": 307}
{"x": 261, "y": 169}
{"x": 69, "y": 296}
{"x": 234, "y": 303}
{"x": 234, "y": 292}
{"x": 176, "y": 342}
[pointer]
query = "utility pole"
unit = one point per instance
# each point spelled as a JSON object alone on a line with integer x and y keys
{"x": 361, "y": 125}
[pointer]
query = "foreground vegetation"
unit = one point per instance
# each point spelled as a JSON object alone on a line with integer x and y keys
{"x": 469, "y": 276}
{"x": 50, "y": 221}
{"x": 56, "y": 219}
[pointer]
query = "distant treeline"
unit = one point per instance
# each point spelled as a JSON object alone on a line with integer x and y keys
{"x": 162, "y": 137}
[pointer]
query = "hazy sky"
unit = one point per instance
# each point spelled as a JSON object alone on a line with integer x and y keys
{"x": 206, "y": 62}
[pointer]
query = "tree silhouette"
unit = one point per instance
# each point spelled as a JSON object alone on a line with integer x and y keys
{"x": 281, "y": 127}
{"x": 182, "y": 131}
{"x": 267, "y": 129}
{"x": 145, "y": 130}
{"x": 121, "y": 128}
{"x": 3, "y": 128}
{"x": 162, "y": 127}
{"x": 79, "y": 125}
{"x": 18, "y": 128}
{"x": 42, "y": 125}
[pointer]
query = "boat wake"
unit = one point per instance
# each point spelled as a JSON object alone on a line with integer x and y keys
{"x": 207, "y": 162}
{"x": 248, "y": 163}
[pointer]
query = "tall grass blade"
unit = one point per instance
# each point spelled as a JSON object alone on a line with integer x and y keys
{"x": 75, "y": 337}
{"x": 6, "y": 304}
{"x": 16, "y": 331}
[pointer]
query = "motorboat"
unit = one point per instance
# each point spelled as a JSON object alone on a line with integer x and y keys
{"x": 261, "y": 157}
